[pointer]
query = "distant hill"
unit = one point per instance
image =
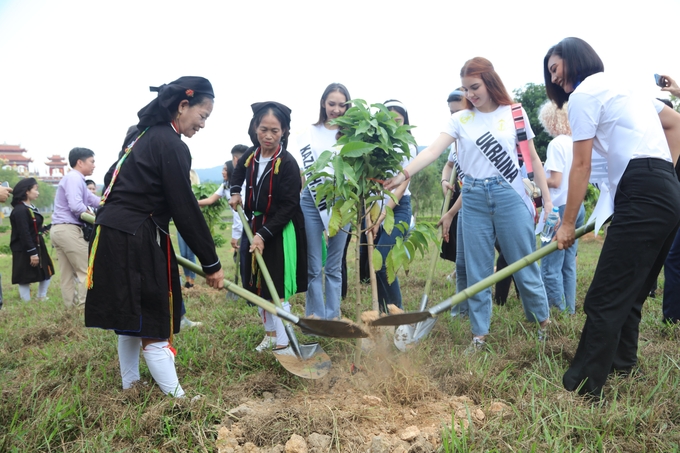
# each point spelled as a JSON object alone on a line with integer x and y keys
{"x": 213, "y": 174}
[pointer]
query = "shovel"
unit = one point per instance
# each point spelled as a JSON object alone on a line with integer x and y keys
{"x": 409, "y": 334}
{"x": 321, "y": 327}
{"x": 237, "y": 261}
{"x": 419, "y": 316}
{"x": 304, "y": 360}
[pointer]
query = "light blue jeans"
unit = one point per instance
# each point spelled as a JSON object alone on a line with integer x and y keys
{"x": 493, "y": 210}
{"x": 559, "y": 271}
{"x": 186, "y": 252}
{"x": 315, "y": 304}
{"x": 462, "y": 308}
{"x": 391, "y": 293}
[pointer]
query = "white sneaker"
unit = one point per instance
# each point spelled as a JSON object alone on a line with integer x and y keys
{"x": 267, "y": 343}
{"x": 187, "y": 323}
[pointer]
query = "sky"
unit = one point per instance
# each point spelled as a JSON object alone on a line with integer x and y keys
{"x": 75, "y": 73}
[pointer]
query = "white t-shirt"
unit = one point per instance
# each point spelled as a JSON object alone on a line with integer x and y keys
{"x": 237, "y": 226}
{"x": 320, "y": 139}
{"x": 560, "y": 154}
{"x": 624, "y": 125}
{"x": 501, "y": 125}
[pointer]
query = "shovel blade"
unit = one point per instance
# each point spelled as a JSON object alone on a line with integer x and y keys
{"x": 408, "y": 335}
{"x": 402, "y": 318}
{"x": 313, "y": 362}
{"x": 333, "y": 328}
{"x": 423, "y": 329}
{"x": 403, "y": 336}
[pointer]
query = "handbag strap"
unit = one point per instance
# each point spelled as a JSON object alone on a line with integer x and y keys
{"x": 522, "y": 142}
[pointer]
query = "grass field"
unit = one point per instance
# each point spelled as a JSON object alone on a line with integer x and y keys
{"x": 60, "y": 387}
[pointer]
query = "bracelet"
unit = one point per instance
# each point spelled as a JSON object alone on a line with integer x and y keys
{"x": 444, "y": 180}
{"x": 406, "y": 175}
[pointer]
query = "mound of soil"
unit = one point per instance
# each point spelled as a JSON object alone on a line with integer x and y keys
{"x": 391, "y": 407}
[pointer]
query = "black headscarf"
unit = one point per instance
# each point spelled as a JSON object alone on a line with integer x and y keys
{"x": 21, "y": 189}
{"x": 163, "y": 108}
{"x": 258, "y": 107}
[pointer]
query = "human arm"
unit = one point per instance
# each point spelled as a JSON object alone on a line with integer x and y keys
{"x": 447, "y": 218}
{"x": 578, "y": 185}
{"x": 4, "y": 193}
{"x": 672, "y": 86}
{"x": 174, "y": 166}
{"x": 446, "y": 176}
{"x": 237, "y": 179}
{"x": 398, "y": 193}
{"x": 78, "y": 197}
{"x": 208, "y": 201}
{"x": 422, "y": 160}
{"x": 539, "y": 177}
{"x": 670, "y": 121}
{"x": 285, "y": 198}
{"x": 555, "y": 179}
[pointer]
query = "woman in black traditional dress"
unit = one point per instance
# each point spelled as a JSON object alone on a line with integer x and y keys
{"x": 133, "y": 278}
{"x": 30, "y": 260}
{"x": 272, "y": 180}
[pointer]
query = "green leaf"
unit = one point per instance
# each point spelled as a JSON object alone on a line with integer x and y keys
{"x": 335, "y": 222}
{"x": 388, "y": 223}
{"x": 356, "y": 149}
{"x": 377, "y": 260}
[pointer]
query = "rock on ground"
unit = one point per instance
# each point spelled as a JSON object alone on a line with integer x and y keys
{"x": 296, "y": 444}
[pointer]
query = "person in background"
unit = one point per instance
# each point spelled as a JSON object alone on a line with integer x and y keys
{"x": 4, "y": 194}
{"x": 31, "y": 261}
{"x": 390, "y": 293}
{"x": 134, "y": 285}
{"x": 452, "y": 233}
{"x": 71, "y": 200}
{"x": 558, "y": 269}
{"x": 91, "y": 186}
{"x": 272, "y": 183}
{"x": 640, "y": 139}
{"x": 671, "y": 289}
{"x": 223, "y": 192}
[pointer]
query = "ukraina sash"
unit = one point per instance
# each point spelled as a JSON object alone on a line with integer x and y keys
{"x": 499, "y": 157}
{"x": 309, "y": 157}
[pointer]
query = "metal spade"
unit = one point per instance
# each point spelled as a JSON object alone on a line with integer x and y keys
{"x": 419, "y": 316}
{"x": 408, "y": 335}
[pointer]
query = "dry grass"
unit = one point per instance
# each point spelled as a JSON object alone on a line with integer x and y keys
{"x": 60, "y": 387}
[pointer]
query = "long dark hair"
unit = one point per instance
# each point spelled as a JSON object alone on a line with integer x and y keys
{"x": 333, "y": 87}
{"x": 579, "y": 61}
{"x": 399, "y": 109}
{"x": 21, "y": 189}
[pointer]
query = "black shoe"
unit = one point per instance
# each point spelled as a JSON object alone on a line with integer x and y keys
{"x": 652, "y": 294}
{"x": 188, "y": 285}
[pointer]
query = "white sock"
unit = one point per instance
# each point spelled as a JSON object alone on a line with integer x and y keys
{"x": 42, "y": 288}
{"x": 281, "y": 336}
{"x": 128, "y": 356}
{"x": 161, "y": 362}
{"x": 267, "y": 320}
{"x": 25, "y": 292}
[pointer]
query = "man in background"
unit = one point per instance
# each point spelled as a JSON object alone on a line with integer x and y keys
{"x": 72, "y": 199}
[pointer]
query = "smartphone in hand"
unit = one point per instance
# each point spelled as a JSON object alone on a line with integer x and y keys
{"x": 5, "y": 184}
{"x": 660, "y": 81}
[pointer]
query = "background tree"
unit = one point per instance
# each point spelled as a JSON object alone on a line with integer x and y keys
{"x": 426, "y": 196}
{"x": 532, "y": 97}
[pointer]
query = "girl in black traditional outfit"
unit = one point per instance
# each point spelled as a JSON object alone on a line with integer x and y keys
{"x": 133, "y": 278}
{"x": 272, "y": 180}
{"x": 30, "y": 260}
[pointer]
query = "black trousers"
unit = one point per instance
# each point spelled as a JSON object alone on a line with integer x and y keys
{"x": 671, "y": 289}
{"x": 645, "y": 221}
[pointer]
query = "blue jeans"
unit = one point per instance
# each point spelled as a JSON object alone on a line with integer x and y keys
{"x": 314, "y": 228}
{"x": 559, "y": 271}
{"x": 391, "y": 293}
{"x": 186, "y": 252}
{"x": 462, "y": 308}
{"x": 492, "y": 210}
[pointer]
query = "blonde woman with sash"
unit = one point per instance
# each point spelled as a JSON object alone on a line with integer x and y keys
{"x": 495, "y": 205}
{"x": 321, "y": 136}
